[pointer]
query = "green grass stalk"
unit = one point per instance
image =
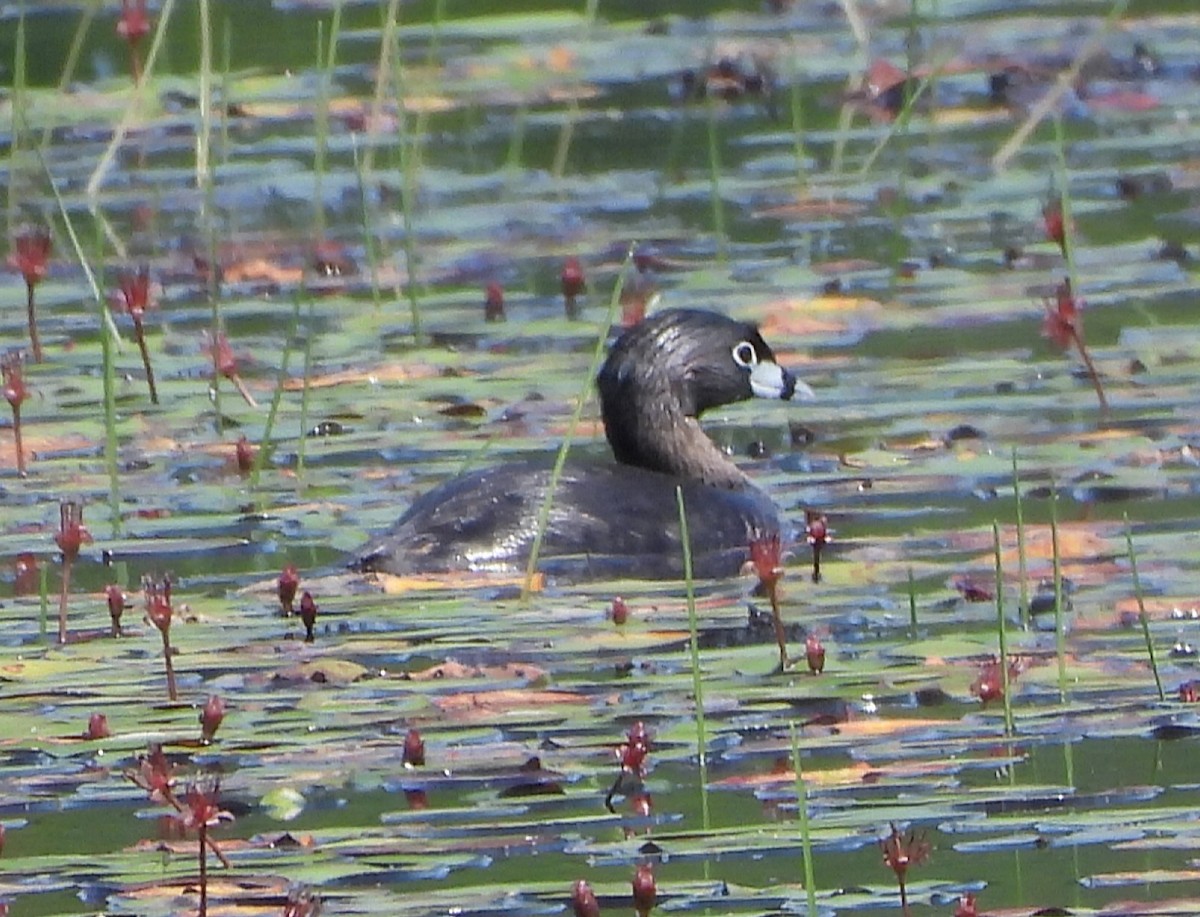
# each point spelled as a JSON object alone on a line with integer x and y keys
{"x": 44, "y": 603}
{"x": 369, "y": 246}
{"x": 206, "y": 187}
{"x": 810, "y": 881}
{"x": 1060, "y": 633}
{"x": 1065, "y": 83}
{"x": 1062, "y": 182}
{"x": 580, "y": 400}
{"x": 264, "y": 446}
{"x": 671, "y": 171}
{"x": 304, "y": 390}
{"x": 685, "y": 542}
{"x": 409, "y": 164}
{"x": 1141, "y": 603}
{"x": 435, "y": 33}
{"x": 204, "y": 137}
{"x": 714, "y": 179}
{"x": 326, "y": 62}
{"x": 1022, "y": 569}
{"x": 109, "y": 345}
{"x": 1001, "y": 632}
{"x": 321, "y": 137}
{"x": 899, "y": 126}
{"x": 912, "y": 605}
{"x": 18, "y": 136}
{"x": 133, "y": 110}
{"x": 74, "y": 51}
{"x": 226, "y": 82}
{"x": 797, "y": 111}
{"x": 562, "y": 148}
{"x": 383, "y": 79}
{"x": 516, "y": 145}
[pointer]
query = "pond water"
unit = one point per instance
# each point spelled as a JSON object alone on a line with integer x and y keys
{"x": 763, "y": 161}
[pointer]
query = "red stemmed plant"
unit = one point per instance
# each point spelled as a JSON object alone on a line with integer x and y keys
{"x": 414, "y": 749}
{"x": 135, "y": 299}
{"x": 583, "y": 900}
{"x": 308, "y": 615}
{"x": 645, "y": 890}
{"x": 72, "y": 535}
{"x": 31, "y": 256}
{"x": 211, "y": 716}
{"x": 816, "y": 526}
{"x": 160, "y": 612}
{"x": 766, "y": 559}
{"x": 15, "y": 393}
{"x": 1063, "y": 325}
{"x": 493, "y": 302}
{"x": 632, "y": 756}
{"x": 573, "y": 285}
{"x": 225, "y": 364}
{"x": 156, "y": 775}
{"x": 1054, "y": 222}
{"x": 201, "y": 811}
{"x": 988, "y": 685}
{"x": 814, "y": 654}
{"x": 900, "y": 853}
{"x": 114, "y": 597}
{"x": 133, "y": 27}
{"x": 289, "y": 582}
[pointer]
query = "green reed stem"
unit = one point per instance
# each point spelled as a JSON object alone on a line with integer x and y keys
{"x": 74, "y": 51}
{"x": 1062, "y": 181}
{"x": 204, "y": 137}
{"x": 670, "y": 172}
{"x": 898, "y": 127}
{"x": 207, "y": 190}
{"x": 1060, "y": 632}
{"x": 383, "y": 79}
{"x": 798, "y": 148}
{"x": 810, "y": 880}
{"x": 714, "y": 179}
{"x": 109, "y": 345}
{"x": 321, "y": 137}
{"x": 265, "y": 443}
{"x": 1002, "y": 632}
{"x": 560, "y": 460}
{"x": 18, "y": 132}
{"x": 226, "y": 69}
{"x": 912, "y": 605}
{"x": 1141, "y": 603}
{"x": 516, "y": 145}
{"x": 308, "y": 350}
{"x": 326, "y": 62}
{"x": 566, "y": 133}
{"x": 685, "y": 541}
{"x": 133, "y": 110}
{"x": 369, "y": 246}
{"x": 409, "y": 163}
{"x": 44, "y": 603}
{"x": 1022, "y": 569}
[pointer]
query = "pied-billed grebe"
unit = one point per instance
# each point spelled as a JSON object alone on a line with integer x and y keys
{"x": 620, "y": 518}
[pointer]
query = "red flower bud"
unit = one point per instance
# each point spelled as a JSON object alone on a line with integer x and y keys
{"x": 583, "y": 900}
{"x": 645, "y": 890}
{"x": 210, "y": 718}
{"x": 308, "y": 615}
{"x": 414, "y": 749}
{"x": 289, "y": 582}
{"x": 97, "y": 727}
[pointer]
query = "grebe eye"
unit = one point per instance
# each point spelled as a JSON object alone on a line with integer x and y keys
{"x": 744, "y": 355}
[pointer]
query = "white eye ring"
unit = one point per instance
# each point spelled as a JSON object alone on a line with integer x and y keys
{"x": 744, "y": 355}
